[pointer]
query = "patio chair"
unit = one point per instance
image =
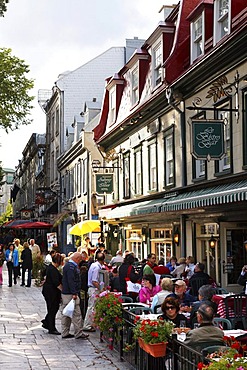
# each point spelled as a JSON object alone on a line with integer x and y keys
{"x": 139, "y": 310}
{"x": 211, "y": 349}
{"x": 156, "y": 308}
{"x": 219, "y": 290}
{"x": 126, "y": 299}
{"x": 235, "y": 306}
{"x": 222, "y": 323}
{"x": 195, "y": 284}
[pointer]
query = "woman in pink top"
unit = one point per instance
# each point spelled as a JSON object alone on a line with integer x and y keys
{"x": 149, "y": 289}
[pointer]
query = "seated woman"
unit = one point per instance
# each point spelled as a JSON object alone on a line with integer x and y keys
{"x": 149, "y": 289}
{"x": 167, "y": 290}
{"x": 170, "y": 308}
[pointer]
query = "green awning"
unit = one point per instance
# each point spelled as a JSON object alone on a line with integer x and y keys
{"x": 152, "y": 206}
{"x": 221, "y": 194}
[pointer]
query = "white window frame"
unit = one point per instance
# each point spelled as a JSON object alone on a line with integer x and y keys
{"x": 138, "y": 171}
{"x": 152, "y": 161}
{"x": 157, "y": 64}
{"x": 112, "y": 105}
{"x": 169, "y": 160}
{"x": 197, "y": 37}
{"x": 199, "y": 168}
{"x": 222, "y": 16}
{"x": 135, "y": 85}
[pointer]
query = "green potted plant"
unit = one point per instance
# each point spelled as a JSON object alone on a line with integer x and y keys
{"x": 153, "y": 335}
{"x": 108, "y": 315}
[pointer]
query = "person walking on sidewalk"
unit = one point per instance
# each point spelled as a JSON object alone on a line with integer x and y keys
{"x": 71, "y": 290}
{"x": 2, "y": 259}
{"x": 93, "y": 290}
{"x": 12, "y": 259}
{"x": 27, "y": 264}
{"x": 52, "y": 293}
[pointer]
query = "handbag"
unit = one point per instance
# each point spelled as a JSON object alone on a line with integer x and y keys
{"x": 69, "y": 308}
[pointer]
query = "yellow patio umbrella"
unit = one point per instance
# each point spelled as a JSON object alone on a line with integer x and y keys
{"x": 84, "y": 227}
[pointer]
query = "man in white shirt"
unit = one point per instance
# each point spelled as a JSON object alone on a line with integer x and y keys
{"x": 35, "y": 249}
{"x": 93, "y": 289}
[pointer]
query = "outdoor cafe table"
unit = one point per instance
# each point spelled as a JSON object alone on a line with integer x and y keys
{"x": 221, "y": 311}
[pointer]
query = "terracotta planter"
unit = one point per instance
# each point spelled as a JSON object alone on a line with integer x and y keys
{"x": 155, "y": 350}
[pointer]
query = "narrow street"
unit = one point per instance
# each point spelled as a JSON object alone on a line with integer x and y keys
{"x": 25, "y": 345}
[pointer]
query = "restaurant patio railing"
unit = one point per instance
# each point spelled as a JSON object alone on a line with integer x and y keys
{"x": 178, "y": 356}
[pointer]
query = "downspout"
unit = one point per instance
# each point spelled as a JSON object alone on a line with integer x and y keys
{"x": 183, "y": 161}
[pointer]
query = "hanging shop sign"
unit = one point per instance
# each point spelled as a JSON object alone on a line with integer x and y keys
{"x": 104, "y": 183}
{"x": 207, "y": 139}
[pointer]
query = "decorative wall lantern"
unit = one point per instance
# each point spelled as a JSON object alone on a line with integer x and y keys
{"x": 176, "y": 236}
{"x": 212, "y": 242}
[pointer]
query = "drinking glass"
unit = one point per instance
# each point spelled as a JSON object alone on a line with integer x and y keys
{"x": 196, "y": 325}
{"x": 182, "y": 324}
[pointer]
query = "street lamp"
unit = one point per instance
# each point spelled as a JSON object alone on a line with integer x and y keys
{"x": 212, "y": 242}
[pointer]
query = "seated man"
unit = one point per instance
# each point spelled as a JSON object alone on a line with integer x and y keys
{"x": 207, "y": 334}
{"x": 205, "y": 295}
{"x": 185, "y": 299}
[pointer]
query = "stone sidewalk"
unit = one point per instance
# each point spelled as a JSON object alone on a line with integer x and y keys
{"x": 25, "y": 345}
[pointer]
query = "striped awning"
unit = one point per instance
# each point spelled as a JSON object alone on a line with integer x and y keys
{"x": 221, "y": 194}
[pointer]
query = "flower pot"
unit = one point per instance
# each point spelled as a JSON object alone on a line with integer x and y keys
{"x": 155, "y": 350}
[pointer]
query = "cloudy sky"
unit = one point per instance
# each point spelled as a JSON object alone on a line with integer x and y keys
{"x": 54, "y": 36}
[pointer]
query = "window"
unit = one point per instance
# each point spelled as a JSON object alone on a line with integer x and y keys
{"x": 126, "y": 175}
{"x": 138, "y": 170}
{"x": 135, "y": 81}
{"x": 84, "y": 175}
{"x": 225, "y": 163}
{"x": 57, "y": 120}
{"x": 115, "y": 165}
{"x": 78, "y": 179}
{"x": 198, "y": 165}
{"x": 221, "y": 19}
{"x": 157, "y": 60}
{"x": 169, "y": 159}
{"x": 197, "y": 37}
{"x": 112, "y": 106}
{"x": 52, "y": 126}
{"x": 152, "y": 164}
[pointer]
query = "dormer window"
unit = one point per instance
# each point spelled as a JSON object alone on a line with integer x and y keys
{"x": 221, "y": 19}
{"x": 197, "y": 37}
{"x": 157, "y": 68}
{"x": 135, "y": 82}
{"x": 112, "y": 106}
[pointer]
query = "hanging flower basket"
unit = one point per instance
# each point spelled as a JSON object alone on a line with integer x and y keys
{"x": 155, "y": 349}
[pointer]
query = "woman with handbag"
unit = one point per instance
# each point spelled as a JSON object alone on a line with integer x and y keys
{"x": 52, "y": 293}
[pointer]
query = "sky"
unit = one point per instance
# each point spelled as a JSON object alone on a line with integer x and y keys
{"x": 54, "y": 36}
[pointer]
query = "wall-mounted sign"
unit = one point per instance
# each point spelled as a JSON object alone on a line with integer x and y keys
{"x": 104, "y": 183}
{"x": 207, "y": 139}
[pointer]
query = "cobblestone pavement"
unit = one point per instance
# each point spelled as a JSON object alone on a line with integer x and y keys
{"x": 25, "y": 345}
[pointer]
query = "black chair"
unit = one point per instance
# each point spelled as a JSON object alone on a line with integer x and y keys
{"x": 222, "y": 323}
{"x": 235, "y": 306}
{"x": 166, "y": 276}
{"x": 195, "y": 284}
{"x": 126, "y": 299}
{"x": 139, "y": 310}
{"x": 156, "y": 308}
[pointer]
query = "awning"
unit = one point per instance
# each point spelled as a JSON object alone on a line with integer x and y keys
{"x": 221, "y": 194}
{"x": 152, "y": 206}
{"x": 126, "y": 210}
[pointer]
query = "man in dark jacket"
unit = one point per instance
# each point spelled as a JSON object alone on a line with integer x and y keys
{"x": 71, "y": 290}
{"x": 198, "y": 279}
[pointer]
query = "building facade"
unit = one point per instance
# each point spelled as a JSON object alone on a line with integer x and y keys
{"x": 169, "y": 197}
